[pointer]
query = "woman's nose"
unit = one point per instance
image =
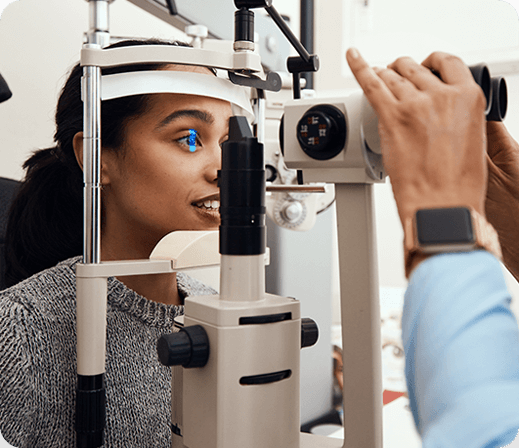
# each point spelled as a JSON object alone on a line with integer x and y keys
{"x": 214, "y": 163}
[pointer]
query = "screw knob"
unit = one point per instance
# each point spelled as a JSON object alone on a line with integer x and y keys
{"x": 293, "y": 211}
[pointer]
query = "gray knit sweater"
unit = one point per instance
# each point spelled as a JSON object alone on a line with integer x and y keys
{"x": 38, "y": 362}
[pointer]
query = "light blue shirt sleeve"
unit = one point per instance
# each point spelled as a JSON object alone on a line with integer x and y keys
{"x": 461, "y": 343}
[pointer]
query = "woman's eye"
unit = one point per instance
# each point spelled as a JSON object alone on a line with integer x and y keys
{"x": 191, "y": 140}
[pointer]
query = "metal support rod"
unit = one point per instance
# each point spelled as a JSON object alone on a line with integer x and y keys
{"x": 98, "y": 36}
{"x": 296, "y": 189}
{"x": 259, "y": 113}
{"x": 307, "y": 35}
{"x": 296, "y": 86}
{"x": 92, "y": 165}
{"x": 99, "y": 22}
{"x": 360, "y": 315}
{"x": 288, "y": 33}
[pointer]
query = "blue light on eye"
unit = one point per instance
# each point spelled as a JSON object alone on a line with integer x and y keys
{"x": 192, "y": 140}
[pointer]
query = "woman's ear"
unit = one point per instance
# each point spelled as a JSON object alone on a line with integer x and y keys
{"x": 77, "y": 144}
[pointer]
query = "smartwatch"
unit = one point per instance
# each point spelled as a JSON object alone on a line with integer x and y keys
{"x": 440, "y": 230}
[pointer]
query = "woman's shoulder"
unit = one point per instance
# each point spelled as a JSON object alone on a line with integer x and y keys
{"x": 50, "y": 290}
{"x": 37, "y": 343}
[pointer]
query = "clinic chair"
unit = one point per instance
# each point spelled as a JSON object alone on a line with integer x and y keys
{"x": 8, "y": 190}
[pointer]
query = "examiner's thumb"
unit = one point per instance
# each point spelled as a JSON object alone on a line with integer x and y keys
{"x": 499, "y": 139}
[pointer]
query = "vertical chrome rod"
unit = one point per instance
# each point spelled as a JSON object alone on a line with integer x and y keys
{"x": 98, "y": 36}
{"x": 259, "y": 112}
{"x": 92, "y": 166}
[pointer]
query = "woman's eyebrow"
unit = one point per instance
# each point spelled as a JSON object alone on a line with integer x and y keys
{"x": 191, "y": 113}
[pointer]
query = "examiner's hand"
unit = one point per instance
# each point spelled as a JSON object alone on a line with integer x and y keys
{"x": 502, "y": 203}
{"x": 432, "y": 132}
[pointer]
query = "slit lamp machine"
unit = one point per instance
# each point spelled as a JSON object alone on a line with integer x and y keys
{"x": 235, "y": 357}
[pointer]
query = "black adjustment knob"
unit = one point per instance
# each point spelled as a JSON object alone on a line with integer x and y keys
{"x": 244, "y": 25}
{"x": 309, "y": 332}
{"x": 271, "y": 173}
{"x": 321, "y": 132}
{"x": 188, "y": 348}
{"x": 296, "y": 64}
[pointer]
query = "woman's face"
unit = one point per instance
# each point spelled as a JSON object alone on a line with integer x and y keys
{"x": 165, "y": 178}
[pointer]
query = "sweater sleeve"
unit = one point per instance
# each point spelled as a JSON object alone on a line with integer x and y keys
{"x": 17, "y": 387}
{"x": 461, "y": 342}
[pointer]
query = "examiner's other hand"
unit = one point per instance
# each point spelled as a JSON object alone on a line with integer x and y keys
{"x": 502, "y": 203}
{"x": 432, "y": 132}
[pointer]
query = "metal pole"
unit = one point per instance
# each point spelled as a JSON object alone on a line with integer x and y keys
{"x": 285, "y": 29}
{"x": 307, "y": 35}
{"x": 97, "y": 36}
{"x": 259, "y": 112}
{"x": 92, "y": 166}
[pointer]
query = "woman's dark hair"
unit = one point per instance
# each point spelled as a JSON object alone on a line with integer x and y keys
{"x": 45, "y": 223}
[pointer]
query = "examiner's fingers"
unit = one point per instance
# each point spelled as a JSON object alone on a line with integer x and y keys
{"x": 376, "y": 91}
{"x": 419, "y": 75}
{"x": 451, "y": 68}
{"x": 401, "y": 87}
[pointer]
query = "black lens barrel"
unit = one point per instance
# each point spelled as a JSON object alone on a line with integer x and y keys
{"x": 242, "y": 192}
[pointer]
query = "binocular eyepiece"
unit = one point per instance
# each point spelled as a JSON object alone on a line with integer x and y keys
{"x": 495, "y": 91}
{"x": 499, "y": 100}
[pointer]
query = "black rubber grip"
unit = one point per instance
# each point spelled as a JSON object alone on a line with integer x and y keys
{"x": 90, "y": 411}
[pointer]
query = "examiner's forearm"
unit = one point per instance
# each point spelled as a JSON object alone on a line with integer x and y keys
{"x": 511, "y": 258}
{"x": 461, "y": 342}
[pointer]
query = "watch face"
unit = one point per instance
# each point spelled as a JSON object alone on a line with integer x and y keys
{"x": 444, "y": 226}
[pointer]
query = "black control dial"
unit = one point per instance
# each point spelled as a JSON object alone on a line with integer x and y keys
{"x": 321, "y": 132}
{"x": 309, "y": 332}
{"x": 187, "y": 348}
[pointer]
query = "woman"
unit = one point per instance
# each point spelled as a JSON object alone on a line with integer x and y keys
{"x": 160, "y": 156}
